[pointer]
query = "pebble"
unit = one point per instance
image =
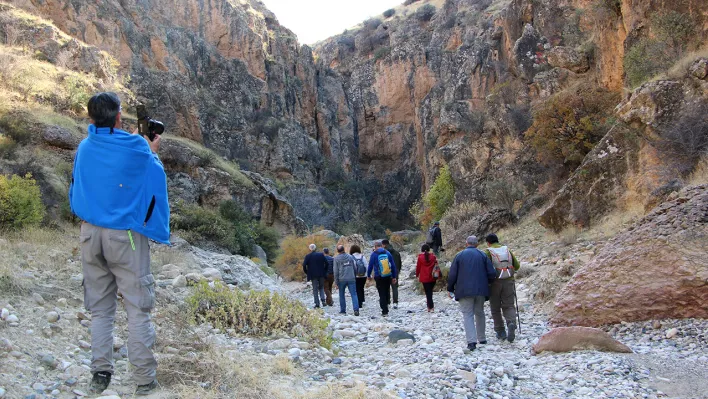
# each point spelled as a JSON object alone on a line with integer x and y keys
{"x": 337, "y": 360}
{"x": 294, "y": 352}
{"x": 12, "y": 319}
{"x": 671, "y": 333}
{"x": 84, "y": 345}
{"x": 79, "y": 392}
{"x": 53, "y": 317}
{"x": 38, "y": 299}
{"x": 109, "y": 397}
{"x": 4, "y": 313}
{"x": 560, "y": 376}
{"x": 2, "y": 392}
{"x": 179, "y": 282}
{"x": 49, "y": 361}
{"x": 117, "y": 343}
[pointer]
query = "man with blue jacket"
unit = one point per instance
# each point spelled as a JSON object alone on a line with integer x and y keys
{"x": 385, "y": 272}
{"x": 469, "y": 278}
{"x": 119, "y": 190}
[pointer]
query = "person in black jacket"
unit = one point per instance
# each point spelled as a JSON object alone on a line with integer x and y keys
{"x": 329, "y": 277}
{"x": 469, "y": 278}
{"x": 315, "y": 267}
{"x": 396, "y": 259}
{"x": 437, "y": 239}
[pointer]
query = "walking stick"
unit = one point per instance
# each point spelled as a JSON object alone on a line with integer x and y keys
{"x": 516, "y": 303}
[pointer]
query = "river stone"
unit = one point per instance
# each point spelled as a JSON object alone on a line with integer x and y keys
{"x": 397, "y": 335}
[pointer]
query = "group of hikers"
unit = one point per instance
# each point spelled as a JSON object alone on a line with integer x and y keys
{"x": 475, "y": 276}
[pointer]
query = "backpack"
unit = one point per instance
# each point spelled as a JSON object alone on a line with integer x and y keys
{"x": 360, "y": 269}
{"x": 502, "y": 261}
{"x": 429, "y": 237}
{"x": 436, "y": 271}
{"x": 384, "y": 265}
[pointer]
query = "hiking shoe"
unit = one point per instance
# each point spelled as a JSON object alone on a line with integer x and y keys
{"x": 344, "y": 313}
{"x": 472, "y": 346}
{"x": 501, "y": 335}
{"x": 384, "y": 314}
{"x": 146, "y": 389}
{"x": 356, "y": 313}
{"x": 483, "y": 342}
{"x": 100, "y": 382}
{"x": 395, "y": 306}
{"x": 512, "y": 331}
{"x": 317, "y": 306}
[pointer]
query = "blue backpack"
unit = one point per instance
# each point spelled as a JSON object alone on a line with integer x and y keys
{"x": 384, "y": 265}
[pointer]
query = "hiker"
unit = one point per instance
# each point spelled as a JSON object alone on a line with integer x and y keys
{"x": 434, "y": 238}
{"x": 345, "y": 277}
{"x": 119, "y": 190}
{"x": 469, "y": 278}
{"x": 503, "y": 289}
{"x": 329, "y": 277}
{"x": 355, "y": 251}
{"x": 383, "y": 266}
{"x": 315, "y": 267}
{"x": 424, "y": 269}
{"x": 397, "y": 260}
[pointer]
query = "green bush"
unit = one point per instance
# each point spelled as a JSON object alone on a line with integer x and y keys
{"x": 381, "y": 52}
{"x": 425, "y": 13}
{"x": 389, "y": 13}
{"x": 260, "y": 314}
{"x": 20, "y": 202}
{"x": 17, "y": 127}
{"x": 267, "y": 238}
{"x": 437, "y": 200}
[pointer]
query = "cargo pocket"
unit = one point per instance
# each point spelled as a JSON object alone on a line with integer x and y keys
{"x": 147, "y": 293}
{"x": 119, "y": 250}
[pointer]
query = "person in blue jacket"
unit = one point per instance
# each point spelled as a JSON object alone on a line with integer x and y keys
{"x": 469, "y": 278}
{"x": 385, "y": 271}
{"x": 119, "y": 190}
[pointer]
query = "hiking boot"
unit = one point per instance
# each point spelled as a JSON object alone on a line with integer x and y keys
{"x": 472, "y": 346}
{"x": 395, "y": 306}
{"x": 384, "y": 314}
{"x": 146, "y": 389}
{"x": 483, "y": 342}
{"x": 512, "y": 332}
{"x": 344, "y": 313}
{"x": 501, "y": 335}
{"x": 356, "y": 313}
{"x": 100, "y": 382}
{"x": 317, "y": 306}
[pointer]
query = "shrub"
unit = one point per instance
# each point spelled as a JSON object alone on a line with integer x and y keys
{"x": 77, "y": 94}
{"x": 7, "y": 147}
{"x": 569, "y": 124}
{"x": 685, "y": 139}
{"x": 372, "y": 23}
{"x": 503, "y": 193}
{"x": 267, "y": 238}
{"x": 292, "y": 252}
{"x": 20, "y": 202}
{"x": 409, "y": 2}
{"x": 437, "y": 200}
{"x": 17, "y": 127}
{"x": 259, "y": 314}
{"x": 389, "y": 13}
{"x": 425, "y": 13}
{"x": 381, "y": 52}
{"x": 459, "y": 213}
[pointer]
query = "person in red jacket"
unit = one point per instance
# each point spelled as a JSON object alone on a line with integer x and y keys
{"x": 424, "y": 271}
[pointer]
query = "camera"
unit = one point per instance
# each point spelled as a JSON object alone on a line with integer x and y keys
{"x": 147, "y": 126}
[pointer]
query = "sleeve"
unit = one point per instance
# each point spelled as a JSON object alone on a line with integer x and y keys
{"x": 417, "y": 267}
{"x": 438, "y": 236}
{"x": 515, "y": 261}
{"x": 394, "y": 267}
{"x": 371, "y": 265}
{"x": 491, "y": 272}
{"x": 305, "y": 263}
{"x": 335, "y": 266}
{"x": 452, "y": 276}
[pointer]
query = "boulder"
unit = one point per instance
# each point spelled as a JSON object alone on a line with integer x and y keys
{"x": 652, "y": 270}
{"x": 235, "y": 269}
{"x": 398, "y": 335}
{"x": 699, "y": 69}
{"x": 480, "y": 226}
{"x": 354, "y": 239}
{"x": 567, "y": 339}
{"x": 568, "y": 58}
{"x": 260, "y": 254}
{"x": 652, "y": 103}
{"x": 57, "y": 136}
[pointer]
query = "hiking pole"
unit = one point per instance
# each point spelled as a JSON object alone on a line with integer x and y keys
{"x": 516, "y": 303}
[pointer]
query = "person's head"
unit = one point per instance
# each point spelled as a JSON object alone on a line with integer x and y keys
{"x": 325, "y": 251}
{"x": 355, "y": 249}
{"x": 385, "y": 243}
{"x": 492, "y": 239}
{"x": 472, "y": 241}
{"x": 340, "y": 249}
{"x": 104, "y": 110}
{"x": 436, "y": 224}
{"x": 425, "y": 248}
{"x": 312, "y": 247}
{"x": 378, "y": 244}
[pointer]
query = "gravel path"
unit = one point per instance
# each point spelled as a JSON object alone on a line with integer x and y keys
{"x": 438, "y": 365}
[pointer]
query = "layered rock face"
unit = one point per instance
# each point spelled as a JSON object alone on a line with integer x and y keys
{"x": 655, "y": 269}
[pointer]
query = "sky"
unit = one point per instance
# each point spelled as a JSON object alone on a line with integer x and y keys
{"x": 314, "y": 20}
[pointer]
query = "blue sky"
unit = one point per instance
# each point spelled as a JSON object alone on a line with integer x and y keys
{"x": 314, "y": 20}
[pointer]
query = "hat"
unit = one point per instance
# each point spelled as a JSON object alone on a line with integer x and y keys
{"x": 436, "y": 224}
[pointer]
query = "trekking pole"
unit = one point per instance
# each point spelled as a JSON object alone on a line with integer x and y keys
{"x": 516, "y": 303}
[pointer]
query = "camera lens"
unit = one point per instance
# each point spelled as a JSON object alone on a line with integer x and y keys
{"x": 156, "y": 126}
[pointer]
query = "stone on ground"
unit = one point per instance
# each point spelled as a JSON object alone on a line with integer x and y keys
{"x": 567, "y": 339}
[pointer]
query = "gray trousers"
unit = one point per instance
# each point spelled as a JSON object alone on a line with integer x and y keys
{"x": 501, "y": 301}
{"x": 472, "y": 309}
{"x": 318, "y": 290}
{"x": 113, "y": 262}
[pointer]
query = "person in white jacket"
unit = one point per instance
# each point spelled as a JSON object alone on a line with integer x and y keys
{"x": 361, "y": 265}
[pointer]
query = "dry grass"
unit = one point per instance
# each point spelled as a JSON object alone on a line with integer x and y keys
{"x": 680, "y": 69}
{"x": 700, "y": 172}
{"x": 459, "y": 213}
{"x": 213, "y": 159}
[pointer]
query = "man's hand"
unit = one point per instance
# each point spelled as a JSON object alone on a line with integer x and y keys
{"x": 394, "y": 281}
{"x": 155, "y": 143}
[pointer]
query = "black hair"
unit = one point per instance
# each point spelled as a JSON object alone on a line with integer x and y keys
{"x": 103, "y": 108}
{"x": 385, "y": 242}
{"x": 426, "y": 250}
{"x": 325, "y": 250}
{"x": 354, "y": 249}
{"x": 492, "y": 239}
